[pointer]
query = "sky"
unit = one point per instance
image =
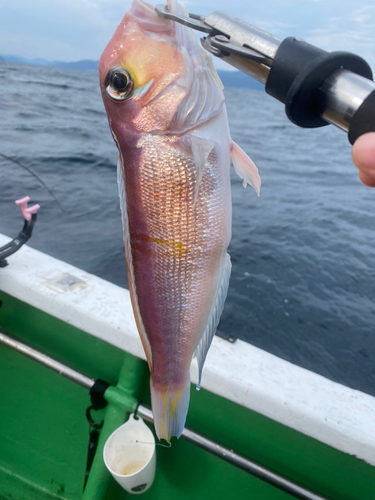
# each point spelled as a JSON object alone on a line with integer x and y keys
{"x": 71, "y": 30}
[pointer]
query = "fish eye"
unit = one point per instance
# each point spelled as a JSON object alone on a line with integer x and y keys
{"x": 119, "y": 84}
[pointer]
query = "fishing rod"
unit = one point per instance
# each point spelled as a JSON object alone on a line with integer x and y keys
{"x": 29, "y": 215}
{"x": 31, "y": 172}
{"x": 317, "y": 87}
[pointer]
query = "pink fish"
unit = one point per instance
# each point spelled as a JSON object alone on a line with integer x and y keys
{"x": 166, "y": 112}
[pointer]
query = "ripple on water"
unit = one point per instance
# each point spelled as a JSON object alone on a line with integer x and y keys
{"x": 303, "y": 254}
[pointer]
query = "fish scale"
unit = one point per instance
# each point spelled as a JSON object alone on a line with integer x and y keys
{"x": 184, "y": 257}
{"x": 172, "y": 222}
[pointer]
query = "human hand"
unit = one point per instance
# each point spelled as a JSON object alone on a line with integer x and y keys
{"x": 363, "y": 154}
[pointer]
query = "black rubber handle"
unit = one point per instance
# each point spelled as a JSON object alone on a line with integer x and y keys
{"x": 297, "y": 72}
{"x": 364, "y": 119}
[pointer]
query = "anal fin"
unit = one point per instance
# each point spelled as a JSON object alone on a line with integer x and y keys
{"x": 245, "y": 167}
{"x": 214, "y": 318}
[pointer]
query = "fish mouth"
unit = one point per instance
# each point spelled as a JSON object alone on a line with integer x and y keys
{"x": 148, "y": 19}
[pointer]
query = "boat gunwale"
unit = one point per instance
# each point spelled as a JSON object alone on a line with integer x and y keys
{"x": 309, "y": 403}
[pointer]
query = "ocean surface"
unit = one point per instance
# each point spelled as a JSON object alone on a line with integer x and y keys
{"x": 303, "y": 253}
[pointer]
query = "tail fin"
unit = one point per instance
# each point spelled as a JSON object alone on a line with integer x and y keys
{"x": 169, "y": 408}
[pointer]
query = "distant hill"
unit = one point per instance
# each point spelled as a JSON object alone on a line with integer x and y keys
{"x": 229, "y": 78}
{"x": 22, "y": 60}
{"x": 85, "y": 65}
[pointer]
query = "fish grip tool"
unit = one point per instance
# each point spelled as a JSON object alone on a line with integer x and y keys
{"x": 297, "y": 73}
{"x": 317, "y": 87}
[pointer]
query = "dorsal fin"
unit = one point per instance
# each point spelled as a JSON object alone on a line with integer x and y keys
{"x": 129, "y": 263}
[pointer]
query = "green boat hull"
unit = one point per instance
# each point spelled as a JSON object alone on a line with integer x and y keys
{"x": 44, "y": 434}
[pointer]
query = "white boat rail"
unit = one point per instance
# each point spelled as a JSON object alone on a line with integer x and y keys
{"x": 334, "y": 414}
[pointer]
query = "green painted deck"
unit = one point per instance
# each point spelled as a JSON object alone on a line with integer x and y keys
{"x": 44, "y": 433}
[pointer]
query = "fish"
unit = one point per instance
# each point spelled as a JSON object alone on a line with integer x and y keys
{"x": 166, "y": 112}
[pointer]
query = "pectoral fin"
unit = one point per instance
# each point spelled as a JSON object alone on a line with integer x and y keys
{"x": 214, "y": 318}
{"x": 245, "y": 167}
{"x": 200, "y": 148}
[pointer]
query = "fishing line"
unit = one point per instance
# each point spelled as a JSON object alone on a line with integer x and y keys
{"x": 36, "y": 177}
{"x": 156, "y": 444}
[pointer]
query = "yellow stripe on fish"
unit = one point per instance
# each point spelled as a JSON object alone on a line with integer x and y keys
{"x": 178, "y": 248}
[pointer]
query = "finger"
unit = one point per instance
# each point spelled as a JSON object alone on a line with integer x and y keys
{"x": 363, "y": 153}
{"x": 366, "y": 179}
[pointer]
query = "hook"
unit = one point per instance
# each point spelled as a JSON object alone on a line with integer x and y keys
{"x": 90, "y": 420}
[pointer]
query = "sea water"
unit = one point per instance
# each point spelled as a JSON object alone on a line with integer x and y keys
{"x": 303, "y": 253}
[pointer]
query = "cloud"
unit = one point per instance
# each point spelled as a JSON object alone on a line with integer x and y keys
{"x": 62, "y": 29}
{"x": 354, "y": 32}
{"x": 79, "y": 29}
{"x": 33, "y": 47}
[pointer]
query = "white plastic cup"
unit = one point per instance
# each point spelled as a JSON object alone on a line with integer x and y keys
{"x": 129, "y": 455}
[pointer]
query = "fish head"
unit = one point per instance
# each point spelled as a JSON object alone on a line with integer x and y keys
{"x": 154, "y": 76}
